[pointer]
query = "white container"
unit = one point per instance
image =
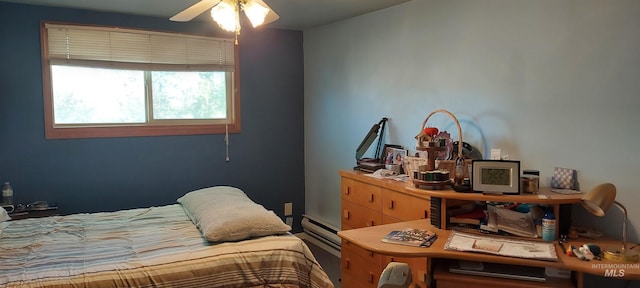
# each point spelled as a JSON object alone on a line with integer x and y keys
{"x": 549, "y": 226}
{"x": 7, "y": 194}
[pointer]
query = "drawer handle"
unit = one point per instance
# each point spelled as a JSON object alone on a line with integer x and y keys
{"x": 371, "y": 199}
{"x": 346, "y": 214}
{"x": 347, "y": 264}
{"x": 370, "y": 254}
{"x": 347, "y": 191}
{"x": 371, "y": 223}
{"x": 371, "y": 277}
{"x": 392, "y": 204}
{"x": 426, "y": 214}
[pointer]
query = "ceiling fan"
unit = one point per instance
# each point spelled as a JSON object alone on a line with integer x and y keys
{"x": 227, "y": 13}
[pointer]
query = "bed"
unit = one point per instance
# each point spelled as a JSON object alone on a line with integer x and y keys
{"x": 211, "y": 238}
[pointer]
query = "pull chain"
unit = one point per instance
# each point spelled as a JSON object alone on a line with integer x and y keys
{"x": 226, "y": 139}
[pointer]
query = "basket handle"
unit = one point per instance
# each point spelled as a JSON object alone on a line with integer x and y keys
{"x": 454, "y": 119}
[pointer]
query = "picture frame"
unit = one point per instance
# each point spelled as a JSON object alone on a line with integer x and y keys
{"x": 388, "y": 149}
{"x": 496, "y": 176}
{"x": 396, "y": 156}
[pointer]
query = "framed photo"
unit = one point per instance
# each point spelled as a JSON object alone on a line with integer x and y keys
{"x": 388, "y": 153}
{"x": 496, "y": 176}
{"x": 396, "y": 156}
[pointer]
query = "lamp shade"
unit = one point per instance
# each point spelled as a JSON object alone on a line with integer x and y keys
{"x": 226, "y": 15}
{"x": 599, "y": 199}
{"x": 255, "y": 12}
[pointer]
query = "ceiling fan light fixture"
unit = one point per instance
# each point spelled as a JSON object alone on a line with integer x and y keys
{"x": 255, "y": 12}
{"x": 226, "y": 15}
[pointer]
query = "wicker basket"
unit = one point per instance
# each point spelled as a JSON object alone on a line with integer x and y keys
{"x": 411, "y": 164}
{"x": 451, "y": 166}
{"x": 414, "y": 164}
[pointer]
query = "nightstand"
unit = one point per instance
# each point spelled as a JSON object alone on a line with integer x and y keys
{"x": 44, "y": 212}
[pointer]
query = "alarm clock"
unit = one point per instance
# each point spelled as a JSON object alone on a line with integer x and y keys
{"x": 496, "y": 176}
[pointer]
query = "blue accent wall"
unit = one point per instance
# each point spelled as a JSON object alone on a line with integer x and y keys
{"x": 108, "y": 174}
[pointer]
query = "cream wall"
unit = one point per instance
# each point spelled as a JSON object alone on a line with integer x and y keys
{"x": 550, "y": 82}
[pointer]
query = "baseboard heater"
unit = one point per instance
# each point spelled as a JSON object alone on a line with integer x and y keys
{"x": 321, "y": 231}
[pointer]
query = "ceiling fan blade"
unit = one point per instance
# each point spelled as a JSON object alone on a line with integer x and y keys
{"x": 194, "y": 10}
{"x": 271, "y": 16}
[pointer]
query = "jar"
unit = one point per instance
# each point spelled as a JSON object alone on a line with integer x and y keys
{"x": 530, "y": 181}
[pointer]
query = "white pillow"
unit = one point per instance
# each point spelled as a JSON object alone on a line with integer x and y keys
{"x": 224, "y": 213}
{"x": 4, "y": 215}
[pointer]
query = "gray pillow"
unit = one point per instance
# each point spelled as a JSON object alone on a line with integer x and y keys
{"x": 224, "y": 213}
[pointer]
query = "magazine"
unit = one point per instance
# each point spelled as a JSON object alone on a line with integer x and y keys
{"x": 410, "y": 237}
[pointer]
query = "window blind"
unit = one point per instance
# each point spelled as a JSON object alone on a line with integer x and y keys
{"x": 137, "y": 49}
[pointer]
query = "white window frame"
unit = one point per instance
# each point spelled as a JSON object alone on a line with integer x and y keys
{"x": 195, "y": 53}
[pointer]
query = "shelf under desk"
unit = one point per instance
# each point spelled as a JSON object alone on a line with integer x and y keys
{"x": 369, "y": 239}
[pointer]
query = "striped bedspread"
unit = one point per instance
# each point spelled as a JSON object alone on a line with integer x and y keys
{"x": 149, "y": 247}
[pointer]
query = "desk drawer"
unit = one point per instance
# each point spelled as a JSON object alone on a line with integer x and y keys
{"x": 358, "y": 271}
{"x": 446, "y": 279}
{"x": 418, "y": 267}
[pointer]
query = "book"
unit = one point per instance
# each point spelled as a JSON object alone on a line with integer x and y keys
{"x": 471, "y": 217}
{"x": 460, "y": 209}
{"x": 470, "y": 221}
{"x": 410, "y": 237}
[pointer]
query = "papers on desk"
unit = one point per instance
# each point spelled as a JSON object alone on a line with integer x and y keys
{"x": 513, "y": 222}
{"x": 400, "y": 177}
{"x": 501, "y": 246}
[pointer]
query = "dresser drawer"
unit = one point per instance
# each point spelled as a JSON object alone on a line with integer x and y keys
{"x": 358, "y": 271}
{"x": 386, "y": 219}
{"x": 357, "y": 216}
{"x": 362, "y": 193}
{"x": 403, "y": 206}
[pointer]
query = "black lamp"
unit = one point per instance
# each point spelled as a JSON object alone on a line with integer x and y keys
{"x": 371, "y": 136}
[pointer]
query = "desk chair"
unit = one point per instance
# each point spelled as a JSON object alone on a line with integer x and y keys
{"x": 395, "y": 275}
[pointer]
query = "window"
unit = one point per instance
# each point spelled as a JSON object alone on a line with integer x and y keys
{"x": 115, "y": 82}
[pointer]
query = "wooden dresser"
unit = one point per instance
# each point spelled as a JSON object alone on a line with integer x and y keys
{"x": 368, "y": 201}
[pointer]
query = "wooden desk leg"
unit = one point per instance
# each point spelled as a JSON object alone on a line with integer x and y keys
{"x": 579, "y": 279}
{"x": 443, "y": 214}
{"x": 428, "y": 279}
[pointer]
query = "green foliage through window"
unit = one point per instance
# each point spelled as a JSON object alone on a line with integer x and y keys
{"x": 121, "y": 82}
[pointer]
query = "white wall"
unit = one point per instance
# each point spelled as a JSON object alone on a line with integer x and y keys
{"x": 550, "y": 82}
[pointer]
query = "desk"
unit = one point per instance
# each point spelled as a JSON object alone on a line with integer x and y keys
{"x": 369, "y": 239}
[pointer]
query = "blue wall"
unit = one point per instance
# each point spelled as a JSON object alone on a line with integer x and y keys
{"x": 88, "y": 175}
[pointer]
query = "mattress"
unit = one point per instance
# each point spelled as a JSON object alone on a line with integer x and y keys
{"x": 157, "y": 246}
